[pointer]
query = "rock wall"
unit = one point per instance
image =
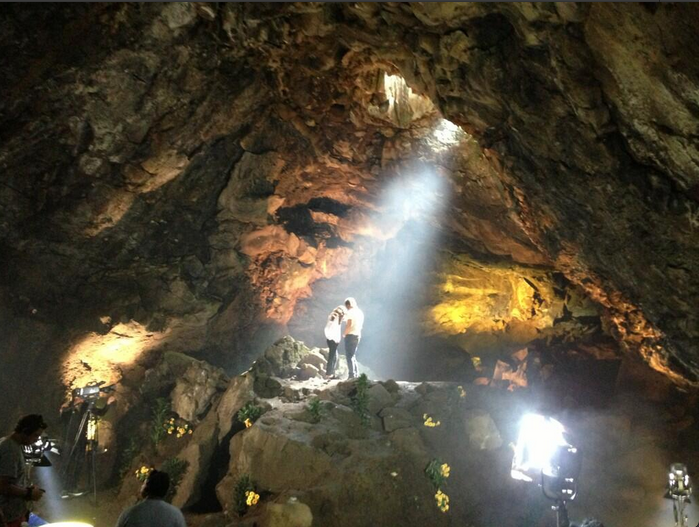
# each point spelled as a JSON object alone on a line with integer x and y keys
{"x": 198, "y": 169}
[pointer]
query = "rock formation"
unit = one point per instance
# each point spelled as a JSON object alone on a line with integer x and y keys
{"x": 200, "y": 179}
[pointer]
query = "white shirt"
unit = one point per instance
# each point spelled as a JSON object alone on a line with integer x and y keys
{"x": 333, "y": 329}
{"x": 151, "y": 513}
{"x": 357, "y": 317}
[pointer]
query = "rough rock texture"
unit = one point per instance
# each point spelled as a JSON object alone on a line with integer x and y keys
{"x": 314, "y": 470}
{"x": 193, "y": 172}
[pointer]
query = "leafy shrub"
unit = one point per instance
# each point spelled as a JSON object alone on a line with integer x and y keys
{"x": 437, "y": 472}
{"x": 249, "y": 413}
{"x": 175, "y": 468}
{"x": 159, "y": 421}
{"x": 360, "y": 399}
{"x": 315, "y": 408}
{"x": 241, "y": 493}
{"x": 127, "y": 455}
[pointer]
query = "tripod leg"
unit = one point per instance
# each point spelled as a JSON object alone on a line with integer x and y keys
{"x": 74, "y": 446}
{"x": 94, "y": 473}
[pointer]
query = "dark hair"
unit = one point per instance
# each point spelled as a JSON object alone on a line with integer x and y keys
{"x": 157, "y": 484}
{"x": 591, "y": 522}
{"x": 30, "y": 424}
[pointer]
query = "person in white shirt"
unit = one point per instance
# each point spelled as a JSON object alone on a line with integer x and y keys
{"x": 353, "y": 333}
{"x": 333, "y": 335}
{"x": 153, "y": 510}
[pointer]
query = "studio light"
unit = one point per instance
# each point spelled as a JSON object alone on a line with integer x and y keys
{"x": 679, "y": 489}
{"x": 543, "y": 455}
{"x": 34, "y": 454}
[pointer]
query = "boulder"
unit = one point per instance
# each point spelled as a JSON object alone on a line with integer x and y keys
{"x": 239, "y": 392}
{"x": 198, "y": 454}
{"x": 480, "y": 430}
{"x": 379, "y": 398}
{"x": 281, "y": 359}
{"x": 307, "y": 371}
{"x": 290, "y": 514}
{"x": 195, "y": 389}
{"x": 396, "y": 418}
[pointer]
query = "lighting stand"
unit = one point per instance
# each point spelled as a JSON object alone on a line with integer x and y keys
{"x": 678, "y": 504}
{"x": 561, "y": 514}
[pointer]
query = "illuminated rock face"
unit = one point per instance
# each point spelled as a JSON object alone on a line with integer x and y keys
{"x": 203, "y": 172}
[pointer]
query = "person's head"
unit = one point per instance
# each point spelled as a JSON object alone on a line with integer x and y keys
{"x": 338, "y": 313}
{"x": 156, "y": 485}
{"x": 29, "y": 428}
{"x": 350, "y": 303}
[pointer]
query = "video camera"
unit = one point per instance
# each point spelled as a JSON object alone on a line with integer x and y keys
{"x": 92, "y": 391}
{"x": 35, "y": 454}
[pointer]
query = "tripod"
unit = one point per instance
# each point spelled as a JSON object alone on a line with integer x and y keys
{"x": 678, "y": 504}
{"x": 80, "y": 457}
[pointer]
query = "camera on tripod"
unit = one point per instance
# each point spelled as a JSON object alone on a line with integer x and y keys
{"x": 92, "y": 391}
{"x": 35, "y": 453}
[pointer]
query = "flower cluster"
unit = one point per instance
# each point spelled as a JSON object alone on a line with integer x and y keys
{"x": 248, "y": 423}
{"x": 462, "y": 392}
{"x": 251, "y": 497}
{"x": 442, "y": 501}
{"x": 142, "y": 473}
{"x": 180, "y": 430}
{"x": 429, "y": 422}
{"x": 444, "y": 469}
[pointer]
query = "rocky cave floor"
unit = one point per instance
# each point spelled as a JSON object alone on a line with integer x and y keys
{"x": 313, "y": 468}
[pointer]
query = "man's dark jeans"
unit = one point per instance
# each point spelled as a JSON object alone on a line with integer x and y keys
{"x": 351, "y": 343}
{"x": 332, "y": 356}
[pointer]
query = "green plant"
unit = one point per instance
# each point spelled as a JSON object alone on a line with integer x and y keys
{"x": 243, "y": 487}
{"x": 360, "y": 399}
{"x": 127, "y": 456}
{"x": 437, "y": 472}
{"x": 161, "y": 412}
{"x": 249, "y": 413}
{"x": 175, "y": 468}
{"x": 315, "y": 408}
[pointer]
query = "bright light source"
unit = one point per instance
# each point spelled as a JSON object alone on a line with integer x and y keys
{"x": 448, "y": 133}
{"x": 679, "y": 482}
{"x": 539, "y": 439}
{"x": 542, "y": 453}
{"x": 68, "y": 524}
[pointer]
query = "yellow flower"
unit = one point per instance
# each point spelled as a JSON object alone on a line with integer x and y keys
{"x": 442, "y": 501}
{"x": 189, "y": 431}
{"x": 462, "y": 392}
{"x": 248, "y": 423}
{"x": 445, "y": 470}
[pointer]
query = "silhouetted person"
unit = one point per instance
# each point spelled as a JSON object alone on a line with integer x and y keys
{"x": 15, "y": 491}
{"x": 353, "y": 333}
{"x": 153, "y": 510}
{"x": 333, "y": 335}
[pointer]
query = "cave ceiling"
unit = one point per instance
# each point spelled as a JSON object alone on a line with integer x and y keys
{"x": 187, "y": 174}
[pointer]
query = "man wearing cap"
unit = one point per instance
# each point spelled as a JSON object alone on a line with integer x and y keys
{"x": 353, "y": 333}
{"x": 15, "y": 491}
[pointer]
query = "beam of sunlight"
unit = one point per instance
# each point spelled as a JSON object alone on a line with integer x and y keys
{"x": 411, "y": 206}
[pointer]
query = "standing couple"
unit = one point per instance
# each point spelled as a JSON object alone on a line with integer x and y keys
{"x": 354, "y": 320}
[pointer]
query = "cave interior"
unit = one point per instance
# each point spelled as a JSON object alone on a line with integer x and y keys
{"x": 509, "y": 190}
